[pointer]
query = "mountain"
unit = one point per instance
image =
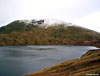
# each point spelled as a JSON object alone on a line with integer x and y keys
{"x": 27, "y": 25}
{"x": 46, "y": 32}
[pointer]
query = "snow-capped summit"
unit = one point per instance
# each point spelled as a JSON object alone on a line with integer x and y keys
{"x": 45, "y": 22}
{"x": 53, "y": 22}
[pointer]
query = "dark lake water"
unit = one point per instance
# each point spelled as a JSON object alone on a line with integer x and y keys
{"x": 20, "y": 60}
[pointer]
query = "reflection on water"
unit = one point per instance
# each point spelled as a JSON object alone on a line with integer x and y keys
{"x": 20, "y": 60}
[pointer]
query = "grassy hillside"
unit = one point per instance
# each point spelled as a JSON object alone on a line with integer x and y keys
{"x": 89, "y": 63}
{"x": 21, "y": 33}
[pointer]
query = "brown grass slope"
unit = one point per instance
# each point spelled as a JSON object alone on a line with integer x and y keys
{"x": 18, "y": 34}
{"x": 89, "y": 63}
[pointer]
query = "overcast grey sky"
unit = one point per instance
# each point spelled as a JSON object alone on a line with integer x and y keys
{"x": 85, "y": 13}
